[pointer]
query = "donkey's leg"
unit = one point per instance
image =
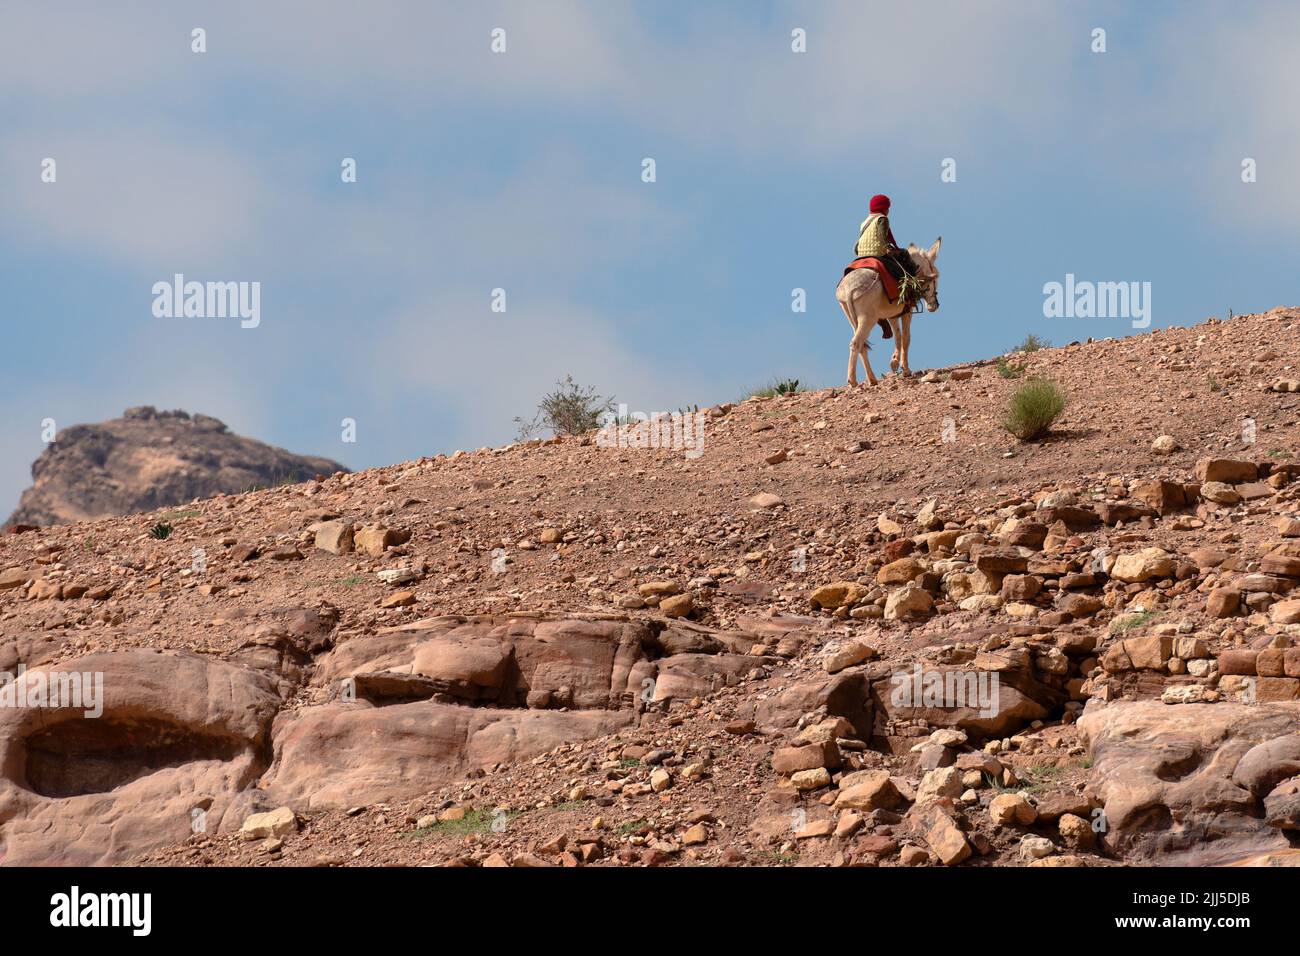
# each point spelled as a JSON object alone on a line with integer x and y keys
{"x": 895, "y": 326}
{"x": 898, "y": 345}
{"x": 858, "y": 349}
{"x": 853, "y": 345}
{"x": 864, "y": 325}
{"x": 905, "y": 339}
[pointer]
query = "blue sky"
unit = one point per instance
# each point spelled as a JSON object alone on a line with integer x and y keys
{"x": 522, "y": 170}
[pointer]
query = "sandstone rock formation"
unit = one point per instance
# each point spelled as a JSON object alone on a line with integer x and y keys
{"x": 149, "y": 459}
{"x": 180, "y": 738}
{"x": 1186, "y": 784}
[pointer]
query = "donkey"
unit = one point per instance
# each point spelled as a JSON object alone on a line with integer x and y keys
{"x": 861, "y": 295}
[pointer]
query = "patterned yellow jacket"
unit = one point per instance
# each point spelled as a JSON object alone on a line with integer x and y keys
{"x": 873, "y": 237}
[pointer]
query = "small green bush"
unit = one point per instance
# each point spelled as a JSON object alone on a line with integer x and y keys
{"x": 475, "y": 821}
{"x": 780, "y": 386}
{"x": 1033, "y": 409}
{"x": 1009, "y": 369}
{"x": 1033, "y": 343}
{"x": 569, "y": 410}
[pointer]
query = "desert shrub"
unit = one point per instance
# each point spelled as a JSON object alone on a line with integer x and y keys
{"x": 474, "y": 821}
{"x": 569, "y": 410}
{"x": 161, "y": 530}
{"x": 1131, "y": 621}
{"x": 780, "y": 386}
{"x": 1009, "y": 369}
{"x": 1033, "y": 343}
{"x": 1033, "y": 409}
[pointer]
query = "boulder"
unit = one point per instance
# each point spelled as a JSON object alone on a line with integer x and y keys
{"x": 1166, "y": 777}
{"x": 179, "y": 739}
{"x": 1144, "y": 565}
{"x": 838, "y": 594}
{"x": 908, "y": 602}
{"x": 993, "y": 702}
{"x": 335, "y": 536}
{"x": 336, "y": 756}
{"x": 1228, "y": 470}
{"x": 274, "y": 823}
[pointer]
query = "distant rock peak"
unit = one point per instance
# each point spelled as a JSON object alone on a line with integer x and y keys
{"x": 151, "y": 459}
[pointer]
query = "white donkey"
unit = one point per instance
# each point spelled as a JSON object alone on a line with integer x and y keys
{"x": 861, "y": 295}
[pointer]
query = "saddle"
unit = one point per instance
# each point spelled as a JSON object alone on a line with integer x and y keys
{"x": 890, "y": 271}
{"x": 881, "y": 269}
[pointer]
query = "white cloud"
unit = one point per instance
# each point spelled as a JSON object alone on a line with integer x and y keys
{"x": 55, "y": 53}
{"x": 140, "y": 197}
{"x": 1229, "y": 92}
{"x": 872, "y": 77}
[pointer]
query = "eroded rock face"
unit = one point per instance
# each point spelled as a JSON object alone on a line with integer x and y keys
{"x": 540, "y": 665}
{"x": 149, "y": 459}
{"x": 1187, "y": 783}
{"x": 430, "y": 701}
{"x": 406, "y": 709}
{"x": 995, "y": 696}
{"x": 338, "y": 755}
{"x": 448, "y": 695}
{"x": 846, "y": 695}
{"x": 179, "y": 737}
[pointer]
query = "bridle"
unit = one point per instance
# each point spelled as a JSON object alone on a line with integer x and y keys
{"x": 927, "y": 283}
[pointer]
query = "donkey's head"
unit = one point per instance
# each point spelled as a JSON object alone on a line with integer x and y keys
{"x": 927, "y": 271}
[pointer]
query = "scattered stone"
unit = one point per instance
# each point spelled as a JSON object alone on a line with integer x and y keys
{"x": 838, "y": 594}
{"x": 334, "y": 536}
{"x": 679, "y": 605}
{"x": 1009, "y": 809}
{"x": 855, "y": 652}
{"x": 811, "y": 779}
{"x": 279, "y": 822}
{"x": 946, "y": 841}
{"x": 909, "y": 601}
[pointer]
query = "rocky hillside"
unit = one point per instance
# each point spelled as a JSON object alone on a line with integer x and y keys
{"x": 862, "y": 628}
{"x": 149, "y": 459}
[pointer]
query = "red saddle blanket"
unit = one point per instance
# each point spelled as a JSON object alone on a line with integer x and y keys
{"x": 871, "y": 262}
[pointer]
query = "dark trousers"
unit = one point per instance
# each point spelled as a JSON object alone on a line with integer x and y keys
{"x": 899, "y": 263}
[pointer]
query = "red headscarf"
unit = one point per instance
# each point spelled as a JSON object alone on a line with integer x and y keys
{"x": 880, "y": 203}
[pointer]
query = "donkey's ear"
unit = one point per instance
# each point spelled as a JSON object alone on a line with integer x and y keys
{"x": 934, "y": 249}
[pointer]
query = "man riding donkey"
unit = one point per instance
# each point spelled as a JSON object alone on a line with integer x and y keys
{"x": 882, "y": 285}
{"x": 876, "y": 241}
